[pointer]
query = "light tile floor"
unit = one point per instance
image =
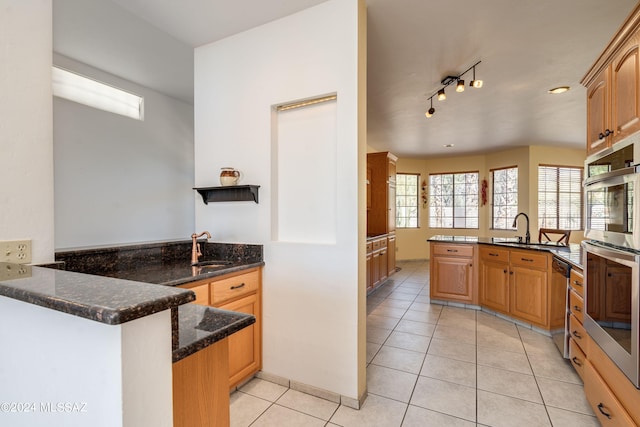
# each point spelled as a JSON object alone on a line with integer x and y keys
{"x": 433, "y": 365}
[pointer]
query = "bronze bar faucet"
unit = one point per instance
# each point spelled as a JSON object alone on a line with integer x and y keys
{"x": 195, "y": 246}
{"x": 527, "y": 237}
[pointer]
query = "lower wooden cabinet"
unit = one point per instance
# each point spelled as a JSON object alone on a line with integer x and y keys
{"x": 602, "y": 400}
{"x": 452, "y": 274}
{"x": 381, "y": 260}
{"x": 516, "y": 282}
{"x": 241, "y": 292}
{"x": 201, "y": 388}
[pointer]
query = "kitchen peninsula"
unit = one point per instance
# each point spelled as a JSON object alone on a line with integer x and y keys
{"x": 499, "y": 275}
{"x": 87, "y": 344}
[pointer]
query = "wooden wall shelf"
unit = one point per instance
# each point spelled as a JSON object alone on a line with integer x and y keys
{"x": 231, "y": 193}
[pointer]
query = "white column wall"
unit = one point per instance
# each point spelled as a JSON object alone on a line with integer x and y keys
{"x": 61, "y": 369}
{"x": 26, "y": 150}
{"x": 311, "y": 291}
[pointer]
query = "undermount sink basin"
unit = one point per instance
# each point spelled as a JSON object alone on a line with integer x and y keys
{"x": 544, "y": 245}
{"x": 212, "y": 264}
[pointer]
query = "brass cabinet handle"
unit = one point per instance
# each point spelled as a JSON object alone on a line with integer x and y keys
{"x": 504, "y": 271}
{"x": 452, "y": 250}
{"x": 576, "y": 361}
{"x": 576, "y": 308}
{"x": 575, "y": 282}
{"x": 527, "y": 259}
{"x": 576, "y": 334}
{"x": 241, "y": 285}
{"x": 492, "y": 254}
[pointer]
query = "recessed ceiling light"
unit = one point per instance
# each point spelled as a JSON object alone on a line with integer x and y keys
{"x": 559, "y": 89}
{"x": 447, "y": 145}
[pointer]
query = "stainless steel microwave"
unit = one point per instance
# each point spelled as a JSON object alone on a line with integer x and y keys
{"x": 612, "y": 207}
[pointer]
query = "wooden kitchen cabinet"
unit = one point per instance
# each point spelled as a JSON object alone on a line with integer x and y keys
{"x": 530, "y": 286}
{"x": 494, "y": 278}
{"x": 613, "y": 89}
{"x": 452, "y": 273}
{"x": 241, "y": 292}
{"x": 391, "y": 254}
{"x": 381, "y": 214}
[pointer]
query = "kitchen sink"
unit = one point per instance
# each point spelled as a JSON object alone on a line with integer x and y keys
{"x": 212, "y": 264}
{"x": 516, "y": 244}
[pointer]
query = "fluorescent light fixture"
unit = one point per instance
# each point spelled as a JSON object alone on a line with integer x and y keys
{"x": 92, "y": 93}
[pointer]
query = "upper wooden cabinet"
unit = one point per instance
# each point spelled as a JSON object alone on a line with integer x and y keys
{"x": 381, "y": 212}
{"x": 613, "y": 89}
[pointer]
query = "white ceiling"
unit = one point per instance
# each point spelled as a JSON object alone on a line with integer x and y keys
{"x": 526, "y": 47}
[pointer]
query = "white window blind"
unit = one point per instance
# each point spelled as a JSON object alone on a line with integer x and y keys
{"x": 560, "y": 201}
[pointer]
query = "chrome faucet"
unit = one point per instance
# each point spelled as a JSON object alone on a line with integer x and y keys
{"x": 527, "y": 237}
{"x": 195, "y": 246}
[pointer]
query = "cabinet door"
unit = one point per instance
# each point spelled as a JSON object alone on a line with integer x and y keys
{"x": 375, "y": 269}
{"x": 245, "y": 352}
{"x": 625, "y": 99}
{"x": 391, "y": 197}
{"x": 383, "y": 264}
{"x": 368, "y": 279}
{"x": 452, "y": 278}
{"x": 598, "y": 113}
{"x": 494, "y": 285}
{"x": 528, "y": 294}
{"x": 391, "y": 255}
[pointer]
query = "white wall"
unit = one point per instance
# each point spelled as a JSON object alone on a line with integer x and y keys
{"x": 119, "y": 180}
{"x": 311, "y": 291}
{"x": 26, "y": 165}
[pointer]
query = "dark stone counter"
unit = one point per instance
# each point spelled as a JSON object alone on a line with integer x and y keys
{"x": 194, "y": 327}
{"x": 200, "y": 326}
{"x": 571, "y": 254}
{"x": 102, "y": 299}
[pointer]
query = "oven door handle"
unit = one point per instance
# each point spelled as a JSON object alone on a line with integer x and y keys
{"x": 604, "y": 176}
{"x": 625, "y": 257}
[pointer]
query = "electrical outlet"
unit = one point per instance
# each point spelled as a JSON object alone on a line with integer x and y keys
{"x": 15, "y": 251}
{"x": 12, "y": 272}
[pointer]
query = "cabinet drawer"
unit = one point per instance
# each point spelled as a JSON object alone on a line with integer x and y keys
{"x": 201, "y": 290}
{"x": 369, "y": 247}
{"x": 529, "y": 259}
{"x": 576, "y": 280}
{"x": 603, "y": 402}
{"x": 382, "y": 243}
{"x": 576, "y": 305}
{"x": 233, "y": 287}
{"x": 577, "y": 332}
{"x": 491, "y": 253}
{"x": 453, "y": 250}
{"x": 375, "y": 245}
{"x": 577, "y": 357}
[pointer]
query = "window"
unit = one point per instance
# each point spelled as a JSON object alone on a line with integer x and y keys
{"x": 92, "y": 93}
{"x": 453, "y": 200}
{"x": 407, "y": 200}
{"x": 505, "y": 197}
{"x": 560, "y": 197}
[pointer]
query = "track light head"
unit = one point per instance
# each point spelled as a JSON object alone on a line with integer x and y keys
{"x": 476, "y": 83}
{"x": 430, "y": 112}
{"x": 460, "y": 86}
{"x": 441, "y": 95}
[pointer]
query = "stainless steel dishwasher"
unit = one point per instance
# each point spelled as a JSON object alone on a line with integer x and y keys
{"x": 560, "y": 290}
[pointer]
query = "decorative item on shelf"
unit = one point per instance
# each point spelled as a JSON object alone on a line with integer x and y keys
{"x": 424, "y": 194}
{"x": 448, "y": 80}
{"x": 483, "y": 192}
{"x": 229, "y": 176}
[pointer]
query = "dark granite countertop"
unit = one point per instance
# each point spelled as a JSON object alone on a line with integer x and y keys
{"x": 194, "y": 327}
{"x": 106, "y": 300}
{"x": 200, "y": 326}
{"x": 571, "y": 254}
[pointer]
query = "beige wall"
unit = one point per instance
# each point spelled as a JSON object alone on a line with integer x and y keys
{"x": 412, "y": 243}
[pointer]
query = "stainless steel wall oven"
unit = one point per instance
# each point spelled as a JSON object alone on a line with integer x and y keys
{"x": 612, "y": 275}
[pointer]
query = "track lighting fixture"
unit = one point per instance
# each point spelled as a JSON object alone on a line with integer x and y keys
{"x": 431, "y": 110}
{"x": 448, "y": 80}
